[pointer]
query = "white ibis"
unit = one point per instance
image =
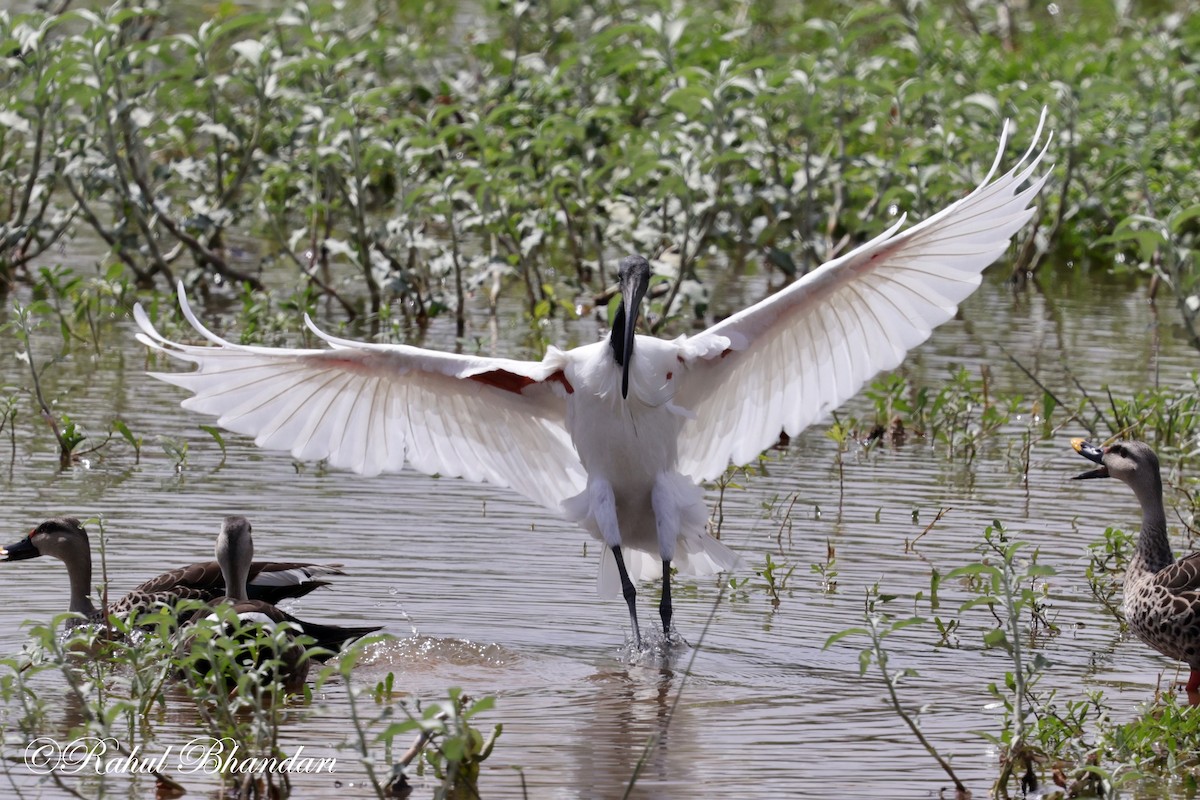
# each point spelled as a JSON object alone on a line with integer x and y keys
{"x": 618, "y": 435}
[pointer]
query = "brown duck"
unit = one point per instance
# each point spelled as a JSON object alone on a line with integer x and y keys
{"x": 234, "y": 552}
{"x": 1162, "y": 595}
{"x": 66, "y": 539}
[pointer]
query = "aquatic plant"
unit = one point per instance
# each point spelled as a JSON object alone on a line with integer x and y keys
{"x": 879, "y": 626}
{"x": 1007, "y": 585}
{"x": 67, "y": 433}
{"x": 233, "y": 670}
{"x": 1106, "y": 565}
{"x": 113, "y": 681}
{"x": 449, "y": 746}
{"x": 775, "y": 577}
{"x": 1043, "y": 737}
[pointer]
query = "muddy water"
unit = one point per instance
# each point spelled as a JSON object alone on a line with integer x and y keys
{"x": 486, "y": 592}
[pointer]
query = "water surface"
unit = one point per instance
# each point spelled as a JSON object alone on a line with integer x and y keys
{"x": 489, "y": 593}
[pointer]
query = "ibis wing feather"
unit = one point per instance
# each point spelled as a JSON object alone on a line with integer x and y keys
{"x": 802, "y": 352}
{"x": 372, "y": 408}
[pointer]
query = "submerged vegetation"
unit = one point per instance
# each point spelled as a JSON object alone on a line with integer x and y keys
{"x": 394, "y": 164}
{"x": 1049, "y": 744}
{"x": 121, "y": 678}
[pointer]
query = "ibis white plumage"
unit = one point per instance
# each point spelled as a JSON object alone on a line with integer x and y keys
{"x": 618, "y": 435}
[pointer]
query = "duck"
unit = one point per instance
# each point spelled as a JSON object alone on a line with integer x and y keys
{"x": 66, "y": 539}
{"x": 234, "y": 554}
{"x": 1162, "y": 593}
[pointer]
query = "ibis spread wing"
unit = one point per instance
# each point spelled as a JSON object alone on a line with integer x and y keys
{"x": 802, "y": 352}
{"x": 372, "y": 408}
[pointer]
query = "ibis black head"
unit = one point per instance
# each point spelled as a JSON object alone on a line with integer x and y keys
{"x": 633, "y": 278}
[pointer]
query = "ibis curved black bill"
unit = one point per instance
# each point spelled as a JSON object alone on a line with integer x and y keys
{"x": 632, "y": 298}
{"x": 634, "y": 280}
{"x": 1092, "y": 453}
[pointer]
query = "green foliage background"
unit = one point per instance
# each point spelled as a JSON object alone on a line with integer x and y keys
{"x": 410, "y": 152}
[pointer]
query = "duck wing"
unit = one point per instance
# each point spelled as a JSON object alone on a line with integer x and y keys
{"x": 1181, "y": 578}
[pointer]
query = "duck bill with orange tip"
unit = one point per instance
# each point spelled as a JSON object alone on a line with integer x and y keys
{"x": 20, "y": 551}
{"x": 1092, "y": 453}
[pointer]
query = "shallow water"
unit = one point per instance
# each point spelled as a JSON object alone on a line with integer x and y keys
{"x": 486, "y": 592}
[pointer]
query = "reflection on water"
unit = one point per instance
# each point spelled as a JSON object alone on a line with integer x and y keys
{"x": 489, "y": 593}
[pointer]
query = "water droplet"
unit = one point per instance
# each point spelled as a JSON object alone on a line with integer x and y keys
{"x": 1053, "y": 9}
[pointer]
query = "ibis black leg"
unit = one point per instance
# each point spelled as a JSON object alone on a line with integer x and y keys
{"x": 664, "y": 605}
{"x": 630, "y": 594}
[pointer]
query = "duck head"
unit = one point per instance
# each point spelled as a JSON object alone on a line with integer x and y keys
{"x": 61, "y": 537}
{"x": 234, "y": 552}
{"x": 1134, "y": 463}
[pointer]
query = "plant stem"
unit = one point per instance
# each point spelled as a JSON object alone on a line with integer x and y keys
{"x": 960, "y": 789}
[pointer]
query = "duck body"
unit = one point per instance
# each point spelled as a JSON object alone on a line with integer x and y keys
{"x": 1161, "y": 594}
{"x": 66, "y": 539}
{"x": 285, "y": 658}
{"x": 1163, "y": 610}
{"x": 260, "y": 645}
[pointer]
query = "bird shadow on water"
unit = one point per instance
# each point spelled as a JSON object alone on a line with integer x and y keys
{"x": 632, "y": 705}
{"x": 639, "y": 700}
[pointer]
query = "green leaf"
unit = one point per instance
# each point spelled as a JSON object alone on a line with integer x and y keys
{"x": 485, "y": 704}
{"x": 1180, "y": 218}
{"x": 985, "y": 600}
{"x": 996, "y": 638}
{"x": 120, "y": 427}
{"x": 973, "y": 569}
{"x": 906, "y": 623}
{"x": 837, "y": 637}
{"x": 215, "y": 433}
{"x": 1048, "y": 405}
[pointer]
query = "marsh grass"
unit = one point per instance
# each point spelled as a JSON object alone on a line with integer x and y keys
{"x": 119, "y": 679}
{"x": 445, "y": 745}
{"x": 879, "y": 626}
{"x": 1048, "y": 742}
